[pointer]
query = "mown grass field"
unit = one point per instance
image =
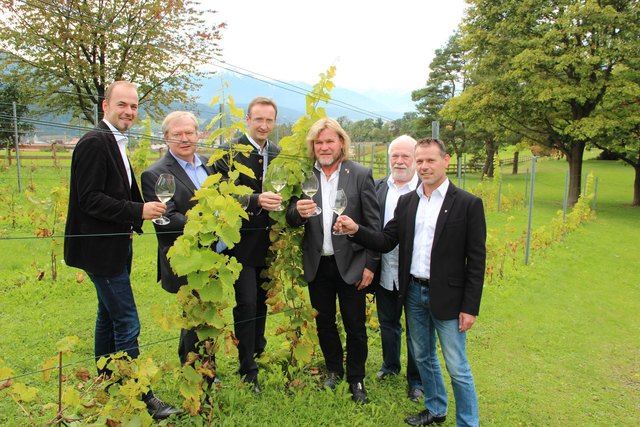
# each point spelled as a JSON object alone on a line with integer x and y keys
{"x": 556, "y": 342}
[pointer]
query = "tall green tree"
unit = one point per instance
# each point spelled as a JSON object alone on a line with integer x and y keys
{"x": 70, "y": 51}
{"x": 447, "y": 79}
{"x": 10, "y": 93}
{"x": 542, "y": 68}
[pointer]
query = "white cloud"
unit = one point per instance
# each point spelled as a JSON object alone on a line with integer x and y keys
{"x": 381, "y": 46}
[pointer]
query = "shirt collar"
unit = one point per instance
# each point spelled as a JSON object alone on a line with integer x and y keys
{"x": 119, "y": 136}
{"x": 317, "y": 166}
{"x": 196, "y": 163}
{"x": 442, "y": 189}
{"x": 255, "y": 144}
{"x": 412, "y": 183}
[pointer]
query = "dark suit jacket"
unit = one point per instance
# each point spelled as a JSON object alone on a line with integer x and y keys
{"x": 177, "y": 207}
{"x": 351, "y": 258}
{"x": 458, "y": 253}
{"x": 254, "y": 236}
{"x": 100, "y": 202}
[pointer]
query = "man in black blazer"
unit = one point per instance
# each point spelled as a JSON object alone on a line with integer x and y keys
{"x": 180, "y": 130}
{"x": 334, "y": 266}
{"x": 441, "y": 231}
{"x": 250, "y": 312}
{"x": 401, "y": 180}
{"x": 105, "y": 208}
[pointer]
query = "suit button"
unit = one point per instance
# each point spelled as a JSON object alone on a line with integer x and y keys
{"x": 260, "y": 161}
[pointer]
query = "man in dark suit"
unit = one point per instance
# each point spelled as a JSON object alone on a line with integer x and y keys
{"x": 105, "y": 208}
{"x": 441, "y": 231}
{"x": 250, "y": 312}
{"x": 402, "y": 180}
{"x": 180, "y": 130}
{"x": 334, "y": 266}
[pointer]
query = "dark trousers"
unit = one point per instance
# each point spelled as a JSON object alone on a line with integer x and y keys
{"x": 389, "y": 316}
{"x": 187, "y": 344}
{"x": 250, "y": 317}
{"x": 323, "y": 291}
{"x": 117, "y": 322}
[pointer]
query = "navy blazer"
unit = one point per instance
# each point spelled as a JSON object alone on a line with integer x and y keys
{"x": 254, "y": 242}
{"x": 351, "y": 258}
{"x": 101, "y": 202}
{"x": 177, "y": 207}
{"x": 457, "y": 257}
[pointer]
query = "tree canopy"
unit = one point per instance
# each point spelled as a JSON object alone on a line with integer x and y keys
{"x": 69, "y": 52}
{"x": 542, "y": 68}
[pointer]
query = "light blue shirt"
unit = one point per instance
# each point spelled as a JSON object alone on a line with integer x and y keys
{"x": 197, "y": 174}
{"x": 196, "y": 171}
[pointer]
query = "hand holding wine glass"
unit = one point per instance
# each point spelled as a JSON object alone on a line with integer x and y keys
{"x": 278, "y": 181}
{"x": 338, "y": 206}
{"x": 165, "y": 189}
{"x": 310, "y": 188}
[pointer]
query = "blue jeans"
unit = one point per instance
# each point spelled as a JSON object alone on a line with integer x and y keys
{"x": 389, "y": 315}
{"x": 117, "y": 323}
{"x": 453, "y": 343}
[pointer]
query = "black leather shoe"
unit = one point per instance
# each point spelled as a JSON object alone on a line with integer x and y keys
{"x": 424, "y": 418}
{"x": 158, "y": 409}
{"x": 255, "y": 385}
{"x": 415, "y": 394}
{"x": 332, "y": 380}
{"x": 358, "y": 393}
{"x": 382, "y": 375}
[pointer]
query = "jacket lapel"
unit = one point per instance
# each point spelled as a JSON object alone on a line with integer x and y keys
{"x": 449, "y": 198}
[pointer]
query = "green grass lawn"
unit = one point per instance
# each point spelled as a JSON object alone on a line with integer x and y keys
{"x": 556, "y": 342}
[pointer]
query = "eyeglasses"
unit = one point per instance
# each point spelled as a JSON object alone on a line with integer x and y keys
{"x": 178, "y": 135}
{"x": 262, "y": 121}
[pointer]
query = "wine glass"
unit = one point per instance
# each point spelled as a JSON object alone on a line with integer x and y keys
{"x": 243, "y": 199}
{"x": 278, "y": 181}
{"x": 165, "y": 188}
{"x": 310, "y": 188}
{"x": 338, "y": 206}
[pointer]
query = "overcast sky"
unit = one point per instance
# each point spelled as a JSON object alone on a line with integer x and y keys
{"x": 376, "y": 45}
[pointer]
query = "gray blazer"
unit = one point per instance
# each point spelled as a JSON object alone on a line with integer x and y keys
{"x": 351, "y": 258}
{"x": 177, "y": 207}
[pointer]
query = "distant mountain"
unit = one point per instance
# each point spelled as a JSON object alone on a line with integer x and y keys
{"x": 291, "y": 102}
{"x": 288, "y": 95}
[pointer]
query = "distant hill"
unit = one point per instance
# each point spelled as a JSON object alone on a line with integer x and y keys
{"x": 288, "y": 95}
{"x": 291, "y": 102}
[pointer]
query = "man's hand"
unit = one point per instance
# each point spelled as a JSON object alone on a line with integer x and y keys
{"x": 346, "y": 225}
{"x": 367, "y": 278}
{"x": 269, "y": 201}
{"x": 306, "y": 208}
{"x": 465, "y": 321}
{"x": 151, "y": 210}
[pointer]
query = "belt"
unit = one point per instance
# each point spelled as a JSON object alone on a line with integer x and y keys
{"x": 421, "y": 282}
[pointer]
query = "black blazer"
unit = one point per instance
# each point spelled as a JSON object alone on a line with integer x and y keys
{"x": 254, "y": 242}
{"x": 100, "y": 202}
{"x": 351, "y": 258}
{"x": 457, "y": 257}
{"x": 177, "y": 207}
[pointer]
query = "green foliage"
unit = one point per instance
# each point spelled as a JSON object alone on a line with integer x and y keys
{"x": 285, "y": 290}
{"x": 139, "y": 159}
{"x": 10, "y": 93}
{"x": 542, "y": 69}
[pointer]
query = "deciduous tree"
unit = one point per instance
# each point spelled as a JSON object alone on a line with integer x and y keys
{"x": 542, "y": 68}
{"x": 71, "y": 51}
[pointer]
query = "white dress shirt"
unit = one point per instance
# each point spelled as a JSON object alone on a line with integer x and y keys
{"x": 264, "y": 152}
{"x": 122, "y": 141}
{"x": 389, "y": 269}
{"x": 426, "y": 218}
{"x": 329, "y": 187}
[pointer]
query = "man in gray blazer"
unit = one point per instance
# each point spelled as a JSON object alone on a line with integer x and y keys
{"x": 334, "y": 266}
{"x": 180, "y": 130}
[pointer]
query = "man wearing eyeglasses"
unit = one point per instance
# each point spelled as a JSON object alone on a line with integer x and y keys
{"x": 250, "y": 312}
{"x": 180, "y": 130}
